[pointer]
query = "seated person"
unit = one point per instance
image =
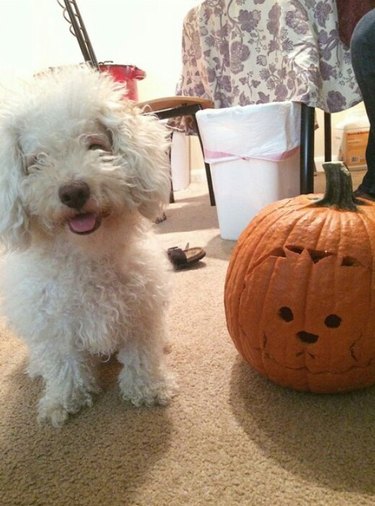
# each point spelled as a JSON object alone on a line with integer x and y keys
{"x": 362, "y": 45}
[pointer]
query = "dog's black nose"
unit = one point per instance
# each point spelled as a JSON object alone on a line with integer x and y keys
{"x": 74, "y": 195}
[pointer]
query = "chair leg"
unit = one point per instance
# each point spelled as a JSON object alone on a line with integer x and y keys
{"x": 209, "y": 182}
{"x": 171, "y": 194}
{"x": 206, "y": 166}
{"x": 307, "y": 149}
{"x": 327, "y": 137}
{"x": 190, "y": 110}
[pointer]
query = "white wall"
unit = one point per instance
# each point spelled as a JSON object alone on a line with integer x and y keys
{"x": 146, "y": 33}
{"x": 336, "y": 119}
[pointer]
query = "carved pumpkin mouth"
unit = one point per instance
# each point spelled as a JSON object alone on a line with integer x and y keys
{"x": 307, "y": 354}
{"x": 324, "y": 371}
{"x": 299, "y": 354}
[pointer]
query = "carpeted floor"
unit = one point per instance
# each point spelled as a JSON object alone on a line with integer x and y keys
{"x": 229, "y": 438}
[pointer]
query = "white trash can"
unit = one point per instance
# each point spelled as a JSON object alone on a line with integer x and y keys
{"x": 254, "y": 156}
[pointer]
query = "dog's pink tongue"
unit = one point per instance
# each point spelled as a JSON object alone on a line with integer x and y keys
{"x": 83, "y": 223}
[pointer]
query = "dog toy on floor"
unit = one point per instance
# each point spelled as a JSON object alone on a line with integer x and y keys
{"x": 83, "y": 176}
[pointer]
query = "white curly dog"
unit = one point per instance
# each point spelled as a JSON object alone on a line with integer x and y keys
{"x": 83, "y": 174}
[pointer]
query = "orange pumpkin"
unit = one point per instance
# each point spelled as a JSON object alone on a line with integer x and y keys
{"x": 299, "y": 291}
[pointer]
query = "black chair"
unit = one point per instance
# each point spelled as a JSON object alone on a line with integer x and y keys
{"x": 172, "y": 107}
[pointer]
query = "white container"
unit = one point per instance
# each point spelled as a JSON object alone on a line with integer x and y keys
{"x": 253, "y": 152}
{"x": 242, "y": 188}
{"x": 180, "y": 166}
{"x": 350, "y": 141}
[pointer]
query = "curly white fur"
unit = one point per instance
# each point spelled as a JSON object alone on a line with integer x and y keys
{"x": 82, "y": 173}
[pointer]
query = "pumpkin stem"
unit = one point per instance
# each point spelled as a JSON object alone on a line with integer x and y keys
{"x": 339, "y": 188}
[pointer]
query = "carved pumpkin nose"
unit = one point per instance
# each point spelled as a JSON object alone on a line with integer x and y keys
{"x": 306, "y": 337}
{"x": 74, "y": 195}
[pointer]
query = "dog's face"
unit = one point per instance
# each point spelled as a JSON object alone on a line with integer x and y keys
{"x": 74, "y": 154}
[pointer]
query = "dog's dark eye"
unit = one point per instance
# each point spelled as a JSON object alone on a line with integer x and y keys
{"x": 29, "y": 162}
{"x": 95, "y": 146}
{"x": 97, "y": 142}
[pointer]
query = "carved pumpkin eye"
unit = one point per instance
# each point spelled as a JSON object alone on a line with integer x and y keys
{"x": 286, "y": 314}
{"x": 332, "y": 321}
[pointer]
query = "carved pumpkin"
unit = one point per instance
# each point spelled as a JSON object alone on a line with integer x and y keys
{"x": 300, "y": 294}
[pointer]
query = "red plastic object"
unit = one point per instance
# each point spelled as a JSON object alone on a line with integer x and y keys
{"x": 128, "y": 74}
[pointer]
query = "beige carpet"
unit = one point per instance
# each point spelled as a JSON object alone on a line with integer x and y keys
{"x": 229, "y": 438}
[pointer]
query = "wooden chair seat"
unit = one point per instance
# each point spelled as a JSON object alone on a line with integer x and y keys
{"x": 165, "y": 103}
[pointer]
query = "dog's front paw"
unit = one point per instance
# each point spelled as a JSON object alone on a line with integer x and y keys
{"x": 141, "y": 392}
{"x": 56, "y": 410}
{"x": 52, "y": 413}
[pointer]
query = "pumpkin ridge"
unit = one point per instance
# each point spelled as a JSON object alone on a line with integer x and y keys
{"x": 244, "y": 294}
{"x": 311, "y": 265}
{"x": 303, "y": 216}
{"x": 248, "y": 238}
{"x": 371, "y": 241}
{"x": 276, "y": 208}
{"x": 262, "y": 316}
{"x": 286, "y": 234}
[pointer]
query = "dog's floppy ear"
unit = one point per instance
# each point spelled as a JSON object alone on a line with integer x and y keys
{"x": 143, "y": 143}
{"x": 14, "y": 232}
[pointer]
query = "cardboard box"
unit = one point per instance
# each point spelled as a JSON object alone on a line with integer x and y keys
{"x": 354, "y": 149}
{"x": 351, "y": 139}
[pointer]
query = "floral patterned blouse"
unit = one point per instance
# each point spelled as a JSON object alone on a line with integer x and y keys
{"x": 240, "y": 52}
